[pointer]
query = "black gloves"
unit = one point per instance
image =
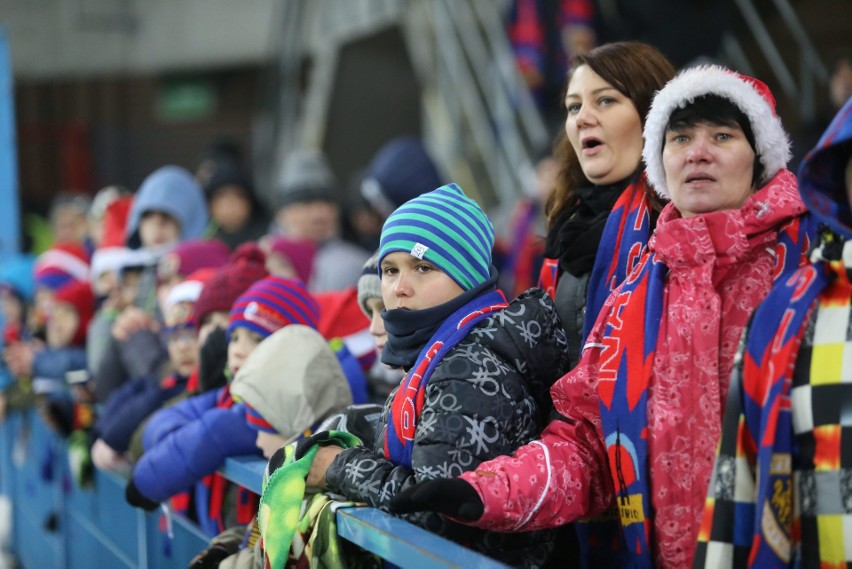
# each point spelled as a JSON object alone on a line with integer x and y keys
{"x": 212, "y": 361}
{"x": 451, "y": 496}
{"x": 321, "y": 438}
{"x": 210, "y": 557}
{"x": 135, "y": 498}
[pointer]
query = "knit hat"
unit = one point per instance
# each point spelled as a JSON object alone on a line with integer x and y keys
{"x": 116, "y": 259}
{"x": 179, "y": 309}
{"x": 229, "y": 282}
{"x": 115, "y": 222}
{"x": 272, "y": 303}
{"x": 291, "y": 382}
{"x": 229, "y": 174}
{"x": 189, "y": 256}
{"x": 400, "y": 171}
{"x": 751, "y": 96}
{"x": 446, "y": 228}
{"x": 369, "y": 283}
{"x": 79, "y": 295}
{"x": 62, "y": 264}
{"x": 305, "y": 177}
{"x": 299, "y": 252}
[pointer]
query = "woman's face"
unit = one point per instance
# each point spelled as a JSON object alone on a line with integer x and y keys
{"x": 410, "y": 283}
{"x": 603, "y": 127}
{"x": 708, "y": 167}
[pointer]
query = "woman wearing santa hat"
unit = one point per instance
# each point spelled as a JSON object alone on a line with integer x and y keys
{"x": 641, "y": 413}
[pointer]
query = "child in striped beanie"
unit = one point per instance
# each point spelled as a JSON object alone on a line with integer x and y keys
{"x": 478, "y": 369}
{"x": 266, "y": 306}
{"x": 180, "y": 454}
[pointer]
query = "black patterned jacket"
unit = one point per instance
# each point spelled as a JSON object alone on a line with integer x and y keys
{"x": 489, "y": 396}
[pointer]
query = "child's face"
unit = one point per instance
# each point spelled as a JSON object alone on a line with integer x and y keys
{"x": 315, "y": 221}
{"x": 410, "y": 283}
{"x": 230, "y": 208}
{"x": 377, "y": 325}
{"x": 183, "y": 350}
{"x": 13, "y": 308}
{"x": 62, "y": 325}
{"x": 105, "y": 284}
{"x": 269, "y": 443}
{"x": 157, "y": 229}
{"x": 128, "y": 288}
{"x": 242, "y": 344}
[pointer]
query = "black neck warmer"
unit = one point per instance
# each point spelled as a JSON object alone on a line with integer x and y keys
{"x": 409, "y": 330}
{"x": 575, "y": 238}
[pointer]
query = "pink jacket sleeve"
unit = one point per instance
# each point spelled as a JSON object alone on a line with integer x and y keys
{"x": 559, "y": 478}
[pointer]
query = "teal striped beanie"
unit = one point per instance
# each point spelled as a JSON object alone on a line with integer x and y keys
{"x": 446, "y": 228}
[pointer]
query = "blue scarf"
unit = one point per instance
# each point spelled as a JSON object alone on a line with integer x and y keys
{"x": 631, "y": 336}
{"x": 408, "y": 400}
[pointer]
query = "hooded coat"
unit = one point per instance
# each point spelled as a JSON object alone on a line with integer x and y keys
{"x": 174, "y": 191}
{"x": 720, "y": 265}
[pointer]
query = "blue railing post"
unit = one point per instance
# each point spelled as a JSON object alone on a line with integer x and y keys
{"x": 10, "y": 212}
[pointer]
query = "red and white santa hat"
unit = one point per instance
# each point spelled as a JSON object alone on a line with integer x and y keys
{"x": 751, "y": 96}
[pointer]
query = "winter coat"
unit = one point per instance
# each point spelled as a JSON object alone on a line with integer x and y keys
{"x": 570, "y": 301}
{"x": 129, "y": 405}
{"x": 141, "y": 355}
{"x": 188, "y": 441}
{"x": 486, "y": 398}
{"x": 53, "y": 363}
{"x": 720, "y": 266}
{"x": 805, "y": 507}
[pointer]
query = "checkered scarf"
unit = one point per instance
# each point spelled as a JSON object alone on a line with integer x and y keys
{"x": 749, "y": 518}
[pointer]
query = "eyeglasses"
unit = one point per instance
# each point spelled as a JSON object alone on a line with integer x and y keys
{"x": 185, "y": 335}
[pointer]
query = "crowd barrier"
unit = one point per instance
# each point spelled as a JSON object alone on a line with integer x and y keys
{"x": 57, "y": 524}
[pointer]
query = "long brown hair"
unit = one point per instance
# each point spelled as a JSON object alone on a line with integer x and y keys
{"x": 638, "y": 71}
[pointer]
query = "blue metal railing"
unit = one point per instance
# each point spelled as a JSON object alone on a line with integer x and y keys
{"x": 57, "y": 524}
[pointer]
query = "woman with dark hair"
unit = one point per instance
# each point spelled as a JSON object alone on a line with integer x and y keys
{"x": 601, "y": 211}
{"x": 640, "y": 415}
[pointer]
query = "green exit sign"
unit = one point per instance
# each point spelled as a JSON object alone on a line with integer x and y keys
{"x": 186, "y": 99}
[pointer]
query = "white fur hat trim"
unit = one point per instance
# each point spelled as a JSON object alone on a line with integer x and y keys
{"x": 771, "y": 141}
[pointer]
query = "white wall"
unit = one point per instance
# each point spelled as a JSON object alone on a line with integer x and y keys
{"x": 56, "y": 38}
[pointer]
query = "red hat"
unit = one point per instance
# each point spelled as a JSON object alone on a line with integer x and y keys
{"x": 79, "y": 295}
{"x": 299, "y": 252}
{"x": 61, "y": 264}
{"x": 115, "y": 222}
{"x": 189, "y": 256}
{"x": 246, "y": 267}
{"x": 750, "y": 95}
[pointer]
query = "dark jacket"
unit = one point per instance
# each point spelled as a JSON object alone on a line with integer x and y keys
{"x": 129, "y": 405}
{"x": 487, "y": 397}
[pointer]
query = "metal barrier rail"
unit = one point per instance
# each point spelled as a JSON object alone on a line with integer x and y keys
{"x": 389, "y": 537}
{"x": 57, "y": 524}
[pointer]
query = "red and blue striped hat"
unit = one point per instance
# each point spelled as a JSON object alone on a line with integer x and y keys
{"x": 272, "y": 303}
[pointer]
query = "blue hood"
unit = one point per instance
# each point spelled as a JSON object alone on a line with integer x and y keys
{"x": 821, "y": 176}
{"x": 172, "y": 190}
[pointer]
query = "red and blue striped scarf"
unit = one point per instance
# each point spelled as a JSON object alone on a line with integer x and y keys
{"x": 624, "y": 240}
{"x": 628, "y": 346}
{"x": 409, "y": 397}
